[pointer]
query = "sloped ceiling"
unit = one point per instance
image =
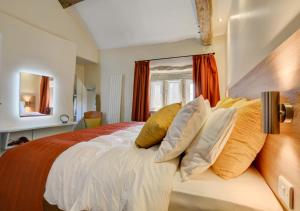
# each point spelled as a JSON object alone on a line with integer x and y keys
{"x": 123, "y": 23}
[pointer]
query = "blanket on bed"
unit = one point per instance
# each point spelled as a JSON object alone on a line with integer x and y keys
{"x": 110, "y": 173}
{"x": 24, "y": 169}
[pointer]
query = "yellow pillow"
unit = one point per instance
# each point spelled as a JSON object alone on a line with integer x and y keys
{"x": 92, "y": 123}
{"x": 228, "y": 102}
{"x": 156, "y": 127}
{"x": 244, "y": 143}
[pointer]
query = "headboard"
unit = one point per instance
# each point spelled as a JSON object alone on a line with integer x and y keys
{"x": 280, "y": 71}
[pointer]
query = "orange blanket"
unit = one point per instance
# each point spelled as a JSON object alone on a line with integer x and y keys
{"x": 24, "y": 169}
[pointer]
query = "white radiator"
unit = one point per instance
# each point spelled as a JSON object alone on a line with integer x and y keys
{"x": 115, "y": 96}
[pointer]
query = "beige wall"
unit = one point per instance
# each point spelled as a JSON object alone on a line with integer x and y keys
{"x": 49, "y": 16}
{"x": 87, "y": 86}
{"x": 25, "y": 48}
{"x": 91, "y": 81}
{"x": 30, "y": 84}
{"x": 255, "y": 29}
{"x": 122, "y": 60}
{"x": 91, "y": 77}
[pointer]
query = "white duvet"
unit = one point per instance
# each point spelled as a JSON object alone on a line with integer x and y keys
{"x": 110, "y": 173}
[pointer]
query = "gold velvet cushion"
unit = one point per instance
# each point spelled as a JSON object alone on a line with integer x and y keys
{"x": 156, "y": 127}
{"x": 92, "y": 122}
{"x": 244, "y": 143}
{"x": 228, "y": 102}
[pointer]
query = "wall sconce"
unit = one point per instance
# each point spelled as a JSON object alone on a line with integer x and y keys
{"x": 274, "y": 113}
{"x": 27, "y": 104}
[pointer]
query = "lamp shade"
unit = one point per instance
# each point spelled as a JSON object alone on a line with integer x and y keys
{"x": 271, "y": 112}
{"x": 27, "y": 104}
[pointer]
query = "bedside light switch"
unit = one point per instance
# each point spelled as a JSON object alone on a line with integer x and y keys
{"x": 286, "y": 192}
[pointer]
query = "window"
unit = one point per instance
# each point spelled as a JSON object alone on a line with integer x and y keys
{"x": 174, "y": 91}
{"x": 165, "y": 92}
{"x": 156, "y": 93}
{"x": 189, "y": 90}
{"x": 171, "y": 82}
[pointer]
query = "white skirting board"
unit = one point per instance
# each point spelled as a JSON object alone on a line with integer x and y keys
{"x": 115, "y": 96}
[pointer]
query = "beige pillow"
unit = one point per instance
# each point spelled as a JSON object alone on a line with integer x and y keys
{"x": 245, "y": 141}
{"x": 156, "y": 126}
{"x": 185, "y": 126}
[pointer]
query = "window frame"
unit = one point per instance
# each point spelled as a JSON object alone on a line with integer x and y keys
{"x": 162, "y": 94}
{"x": 183, "y": 90}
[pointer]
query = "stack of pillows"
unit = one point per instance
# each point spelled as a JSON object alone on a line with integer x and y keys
{"x": 226, "y": 138}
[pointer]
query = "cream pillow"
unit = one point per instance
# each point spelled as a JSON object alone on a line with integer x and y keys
{"x": 209, "y": 142}
{"x": 157, "y": 126}
{"x": 244, "y": 143}
{"x": 183, "y": 129}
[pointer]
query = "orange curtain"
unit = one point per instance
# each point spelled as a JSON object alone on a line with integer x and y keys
{"x": 44, "y": 95}
{"x": 140, "y": 101}
{"x": 205, "y": 77}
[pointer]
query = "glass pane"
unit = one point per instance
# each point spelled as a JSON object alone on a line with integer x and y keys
{"x": 156, "y": 94}
{"x": 189, "y": 90}
{"x": 174, "y": 94}
{"x": 34, "y": 102}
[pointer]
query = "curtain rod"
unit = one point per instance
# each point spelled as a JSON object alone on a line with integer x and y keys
{"x": 176, "y": 57}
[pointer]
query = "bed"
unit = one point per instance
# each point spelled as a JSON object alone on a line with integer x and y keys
{"x": 24, "y": 170}
{"x": 207, "y": 191}
{"x": 203, "y": 192}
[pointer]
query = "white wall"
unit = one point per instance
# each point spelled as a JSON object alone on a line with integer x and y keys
{"x": 122, "y": 60}
{"x": 255, "y": 29}
{"x": 49, "y": 16}
{"x": 26, "y": 48}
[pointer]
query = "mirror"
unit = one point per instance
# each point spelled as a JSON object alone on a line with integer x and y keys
{"x": 36, "y": 95}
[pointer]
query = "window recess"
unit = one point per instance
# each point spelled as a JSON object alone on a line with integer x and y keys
{"x": 170, "y": 84}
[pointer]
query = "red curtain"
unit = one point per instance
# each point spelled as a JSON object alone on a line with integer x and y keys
{"x": 140, "y": 101}
{"x": 44, "y": 95}
{"x": 205, "y": 77}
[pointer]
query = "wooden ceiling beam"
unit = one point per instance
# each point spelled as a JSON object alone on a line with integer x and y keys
{"x": 204, "y": 14}
{"x": 68, "y": 3}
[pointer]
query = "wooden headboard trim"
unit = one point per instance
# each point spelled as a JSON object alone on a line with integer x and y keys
{"x": 280, "y": 71}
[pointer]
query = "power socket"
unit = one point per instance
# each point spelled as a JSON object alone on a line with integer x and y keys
{"x": 286, "y": 192}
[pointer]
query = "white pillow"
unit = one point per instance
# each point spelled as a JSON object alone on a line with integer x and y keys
{"x": 209, "y": 142}
{"x": 183, "y": 129}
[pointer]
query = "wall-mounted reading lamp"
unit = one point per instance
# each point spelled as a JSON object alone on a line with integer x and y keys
{"x": 27, "y": 104}
{"x": 274, "y": 113}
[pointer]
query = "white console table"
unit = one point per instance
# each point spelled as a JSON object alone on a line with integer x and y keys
{"x": 32, "y": 133}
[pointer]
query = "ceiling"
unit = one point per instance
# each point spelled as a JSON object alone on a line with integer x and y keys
{"x": 123, "y": 23}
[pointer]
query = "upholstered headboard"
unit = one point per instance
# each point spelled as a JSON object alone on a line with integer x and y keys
{"x": 280, "y": 71}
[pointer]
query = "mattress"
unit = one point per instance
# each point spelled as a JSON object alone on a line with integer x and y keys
{"x": 207, "y": 191}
